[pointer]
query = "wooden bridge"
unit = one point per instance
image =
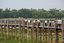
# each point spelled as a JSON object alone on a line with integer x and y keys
{"x": 13, "y": 23}
{"x": 36, "y": 25}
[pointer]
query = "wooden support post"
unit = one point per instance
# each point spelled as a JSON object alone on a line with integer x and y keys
{"x": 23, "y": 31}
{"x": 37, "y": 33}
{"x": 40, "y": 35}
{"x": 40, "y": 31}
{"x": 7, "y": 28}
{"x": 43, "y": 31}
{"x": 57, "y": 35}
{"x": 51, "y": 36}
{"x": 15, "y": 30}
{"x": 32, "y": 33}
{"x": 27, "y": 33}
{"x": 56, "y": 26}
{"x": 1, "y": 30}
{"x": 63, "y": 31}
{"x": 0, "y": 25}
{"x": 45, "y": 36}
{"x": 19, "y": 31}
{"x": 5, "y": 31}
{"x": 50, "y": 33}
{"x": 11, "y": 30}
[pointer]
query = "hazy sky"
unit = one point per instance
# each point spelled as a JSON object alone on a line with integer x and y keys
{"x": 46, "y": 4}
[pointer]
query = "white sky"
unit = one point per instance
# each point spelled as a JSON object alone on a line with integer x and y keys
{"x": 18, "y": 4}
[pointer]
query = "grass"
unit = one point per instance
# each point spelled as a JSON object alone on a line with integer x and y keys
{"x": 19, "y": 37}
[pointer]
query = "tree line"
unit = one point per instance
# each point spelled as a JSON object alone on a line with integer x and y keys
{"x": 31, "y": 13}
